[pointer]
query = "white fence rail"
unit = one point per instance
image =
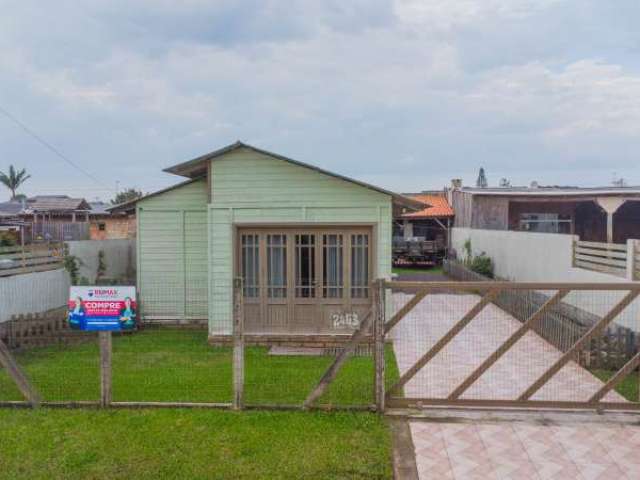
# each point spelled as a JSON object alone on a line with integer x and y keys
{"x": 612, "y": 258}
{"x": 33, "y": 292}
{"x": 31, "y": 258}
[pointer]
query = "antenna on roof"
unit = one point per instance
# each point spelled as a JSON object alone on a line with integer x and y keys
{"x": 618, "y": 181}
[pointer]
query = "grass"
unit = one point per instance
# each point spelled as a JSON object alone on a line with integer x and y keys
{"x": 417, "y": 270}
{"x": 196, "y": 444}
{"x": 628, "y": 388}
{"x": 179, "y": 365}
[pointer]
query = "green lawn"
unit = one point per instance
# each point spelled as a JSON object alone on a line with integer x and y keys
{"x": 179, "y": 365}
{"x": 192, "y": 444}
{"x": 417, "y": 270}
{"x": 628, "y": 388}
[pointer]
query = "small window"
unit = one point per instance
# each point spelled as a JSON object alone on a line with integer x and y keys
{"x": 545, "y": 222}
{"x": 102, "y": 226}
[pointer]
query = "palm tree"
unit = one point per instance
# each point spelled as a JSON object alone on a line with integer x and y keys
{"x": 14, "y": 179}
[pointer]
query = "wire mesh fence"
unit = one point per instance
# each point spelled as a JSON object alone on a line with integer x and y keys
{"x": 187, "y": 363}
{"x": 446, "y": 343}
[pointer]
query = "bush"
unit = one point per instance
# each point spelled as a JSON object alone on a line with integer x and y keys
{"x": 483, "y": 265}
{"x": 102, "y": 267}
{"x": 468, "y": 254}
{"x": 71, "y": 265}
{"x": 8, "y": 239}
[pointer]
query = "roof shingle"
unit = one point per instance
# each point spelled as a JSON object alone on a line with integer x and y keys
{"x": 56, "y": 202}
{"x": 439, "y": 206}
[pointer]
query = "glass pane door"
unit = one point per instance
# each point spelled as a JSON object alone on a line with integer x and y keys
{"x": 277, "y": 266}
{"x": 305, "y": 266}
{"x": 332, "y": 266}
{"x": 250, "y": 257}
{"x": 360, "y": 265}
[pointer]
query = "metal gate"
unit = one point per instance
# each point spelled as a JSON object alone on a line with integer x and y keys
{"x": 503, "y": 344}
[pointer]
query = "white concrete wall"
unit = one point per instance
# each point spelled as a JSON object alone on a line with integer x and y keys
{"x": 543, "y": 257}
{"x": 119, "y": 257}
{"x": 33, "y": 293}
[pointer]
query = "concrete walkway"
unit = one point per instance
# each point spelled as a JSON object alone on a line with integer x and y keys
{"x": 525, "y": 450}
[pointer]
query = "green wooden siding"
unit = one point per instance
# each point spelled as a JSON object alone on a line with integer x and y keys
{"x": 252, "y": 188}
{"x": 172, "y": 254}
{"x": 182, "y": 242}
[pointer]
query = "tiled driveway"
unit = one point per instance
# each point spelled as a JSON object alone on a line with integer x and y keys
{"x": 529, "y": 358}
{"x": 480, "y": 450}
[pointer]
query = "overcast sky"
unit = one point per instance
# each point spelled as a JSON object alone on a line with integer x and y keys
{"x": 403, "y": 94}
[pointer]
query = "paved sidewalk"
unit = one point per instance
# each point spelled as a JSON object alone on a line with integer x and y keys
{"x": 485, "y": 450}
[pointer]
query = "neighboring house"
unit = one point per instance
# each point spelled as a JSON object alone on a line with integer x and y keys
{"x": 430, "y": 223}
{"x": 60, "y": 208}
{"x": 107, "y": 222}
{"x": 423, "y": 236}
{"x": 57, "y": 218}
{"x": 11, "y": 224}
{"x": 607, "y": 214}
{"x": 10, "y": 210}
{"x": 306, "y": 242}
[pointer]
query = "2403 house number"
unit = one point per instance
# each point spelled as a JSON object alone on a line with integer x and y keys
{"x": 345, "y": 320}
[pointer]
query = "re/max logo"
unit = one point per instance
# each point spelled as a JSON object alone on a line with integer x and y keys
{"x": 110, "y": 292}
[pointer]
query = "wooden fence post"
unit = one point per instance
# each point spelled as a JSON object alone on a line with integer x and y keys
{"x": 15, "y": 372}
{"x": 378, "y": 332}
{"x": 238, "y": 345}
{"x": 105, "y": 368}
{"x": 632, "y": 266}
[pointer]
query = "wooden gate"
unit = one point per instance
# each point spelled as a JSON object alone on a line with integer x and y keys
{"x": 493, "y": 356}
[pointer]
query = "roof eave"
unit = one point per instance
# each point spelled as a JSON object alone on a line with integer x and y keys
{"x": 410, "y": 203}
{"x": 194, "y": 167}
{"x": 131, "y": 204}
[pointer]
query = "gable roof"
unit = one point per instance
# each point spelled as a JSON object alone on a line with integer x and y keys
{"x": 99, "y": 208}
{"x": 10, "y": 209}
{"x": 438, "y": 206}
{"x": 42, "y": 203}
{"x": 198, "y": 167}
{"x": 129, "y": 205}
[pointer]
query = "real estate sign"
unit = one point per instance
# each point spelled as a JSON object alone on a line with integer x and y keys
{"x": 102, "y": 308}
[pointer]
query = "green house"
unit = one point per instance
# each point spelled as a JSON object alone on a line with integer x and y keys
{"x": 306, "y": 242}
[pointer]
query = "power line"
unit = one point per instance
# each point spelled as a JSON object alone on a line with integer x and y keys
{"x": 51, "y": 147}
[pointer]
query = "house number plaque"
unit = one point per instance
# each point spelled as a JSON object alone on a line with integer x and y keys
{"x": 345, "y": 320}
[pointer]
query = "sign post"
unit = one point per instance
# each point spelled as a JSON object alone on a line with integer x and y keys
{"x": 105, "y": 367}
{"x": 103, "y": 309}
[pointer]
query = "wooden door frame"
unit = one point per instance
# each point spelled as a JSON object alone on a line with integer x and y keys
{"x": 369, "y": 227}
